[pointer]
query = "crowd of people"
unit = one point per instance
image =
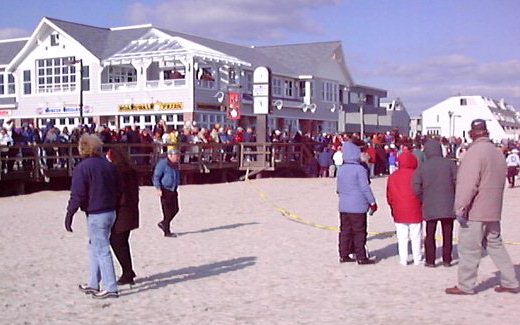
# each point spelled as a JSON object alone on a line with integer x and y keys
{"x": 429, "y": 186}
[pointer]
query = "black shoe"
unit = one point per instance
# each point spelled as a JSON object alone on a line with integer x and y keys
{"x": 170, "y": 234}
{"x": 87, "y": 290}
{"x": 365, "y": 261}
{"x": 429, "y": 264}
{"x": 160, "y": 225}
{"x": 105, "y": 294}
{"x": 125, "y": 280}
{"x": 347, "y": 259}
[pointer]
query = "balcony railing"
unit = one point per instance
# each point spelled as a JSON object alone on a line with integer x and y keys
{"x": 118, "y": 86}
{"x": 55, "y": 89}
{"x": 166, "y": 83}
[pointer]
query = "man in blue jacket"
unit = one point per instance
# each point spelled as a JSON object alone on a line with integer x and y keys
{"x": 166, "y": 179}
{"x": 95, "y": 189}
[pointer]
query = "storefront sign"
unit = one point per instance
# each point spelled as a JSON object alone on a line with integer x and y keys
{"x": 150, "y": 107}
{"x": 62, "y": 110}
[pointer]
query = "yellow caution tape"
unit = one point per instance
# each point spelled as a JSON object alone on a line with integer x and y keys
{"x": 294, "y": 217}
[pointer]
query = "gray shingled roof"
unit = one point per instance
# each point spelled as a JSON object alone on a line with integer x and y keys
{"x": 9, "y": 49}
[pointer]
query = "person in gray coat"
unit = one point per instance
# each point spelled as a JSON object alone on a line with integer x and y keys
{"x": 434, "y": 183}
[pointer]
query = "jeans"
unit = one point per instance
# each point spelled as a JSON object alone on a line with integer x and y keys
{"x": 100, "y": 257}
{"x": 412, "y": 231}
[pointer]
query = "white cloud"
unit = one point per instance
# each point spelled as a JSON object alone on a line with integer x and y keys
{"x": 232, "y": 19}
{"x": 423, "y": 84}
{"x": 6, "y": 33}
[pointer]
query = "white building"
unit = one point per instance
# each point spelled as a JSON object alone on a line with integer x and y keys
{"x": 141, "y": 74}
{"x": 453, "y": 116}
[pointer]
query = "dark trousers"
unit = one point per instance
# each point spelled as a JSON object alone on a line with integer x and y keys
{"x": 353, "y": 234}
{"x": 121, "y": 247}
{"x": 447, "y": 240}
{"x": 170, "y": 207}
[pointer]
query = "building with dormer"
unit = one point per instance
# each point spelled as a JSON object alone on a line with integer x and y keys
{"x": 143, "y": 74}
{"x": 452, "y": 118}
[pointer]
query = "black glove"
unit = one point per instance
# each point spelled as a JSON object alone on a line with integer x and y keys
{"x": 68, "y": 222}
{"x": 463, "y": 221}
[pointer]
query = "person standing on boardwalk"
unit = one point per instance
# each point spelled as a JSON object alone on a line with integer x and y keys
{"x": 355, "y": 200}
{"x": 513, "y": 162}
{"x": 434, "y": 183}
{"x": 127, "y": 213}
{"x": 166, "y": 180}
{"x": 96, "y": 189}
{"x": 406, "y": 208}
{"x": 478, "y": 207}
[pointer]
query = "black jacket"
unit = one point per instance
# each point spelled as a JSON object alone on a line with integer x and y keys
{"x": 434, "y": 183}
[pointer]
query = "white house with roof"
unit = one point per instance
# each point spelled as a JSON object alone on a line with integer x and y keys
{"x": 452, "y": 117}
{"x": 142, "y": 74}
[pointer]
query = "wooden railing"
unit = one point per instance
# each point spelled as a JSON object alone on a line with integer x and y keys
{"x": 43, "y": 161}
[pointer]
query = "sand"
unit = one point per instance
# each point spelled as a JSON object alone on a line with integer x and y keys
{"x": 238, "y": 260}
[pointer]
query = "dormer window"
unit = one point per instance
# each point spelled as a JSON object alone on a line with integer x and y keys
{"x": 55, "y": 39}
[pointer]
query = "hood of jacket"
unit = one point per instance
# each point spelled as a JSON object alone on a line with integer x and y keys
{"x": 407, "y": 160}
{"x": 432, "y": 148}
{"x": 351, "y": 153}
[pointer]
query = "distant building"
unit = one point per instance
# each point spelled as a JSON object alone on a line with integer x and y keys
{"x": 452, "y": 117}
{"x": 396, "y": 117}
{"x": 415, "y": 126}
{"x": 142, "y": 74}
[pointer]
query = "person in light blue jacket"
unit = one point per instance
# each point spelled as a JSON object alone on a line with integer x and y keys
{"x": 355, "y": 200}
{"x": 166, "y": 179}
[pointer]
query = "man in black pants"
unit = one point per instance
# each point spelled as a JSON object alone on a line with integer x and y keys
{"x": 166, "y": 179}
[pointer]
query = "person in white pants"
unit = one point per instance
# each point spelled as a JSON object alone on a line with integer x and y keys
{"x": 406, "y": 208}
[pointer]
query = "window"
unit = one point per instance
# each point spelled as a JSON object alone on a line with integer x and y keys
{"x": 232, "y": 76}
{"x": 277, "y": 87}
{"x": 86, "y": 78}
{"x": 301, "y": 88}
{"x": 10, "y": 84}
{"x": 55, "y": 75}
{"x": 120, "y": 74}
{"x": 463, "y": 102}
{"x": 249, "y": 82}
{"x": 55, "y": 39}
{"x": 2, "y": 84}
{"x": 288, "y": 88}
{"x": 329, "y": 92}
{"x": 27, "y": 82}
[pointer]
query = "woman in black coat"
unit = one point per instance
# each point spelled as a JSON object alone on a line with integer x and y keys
{"x": 127, "y": 213}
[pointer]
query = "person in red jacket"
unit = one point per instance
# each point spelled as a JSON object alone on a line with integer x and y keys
{"x": 406, "y": 208}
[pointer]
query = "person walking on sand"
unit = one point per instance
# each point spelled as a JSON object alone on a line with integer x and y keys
{"x": 127, "y": 213}
{"x": 406, "y": 208}
{"x": 166, "y": 180}
{"x": 513, "y": 163}
{"x": 355, "y": 200}
{"x": 434, "y": 183}
{"x": 478, "y": 207}
{"x": 96, "y": 189}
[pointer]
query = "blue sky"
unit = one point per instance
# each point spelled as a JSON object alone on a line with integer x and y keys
{"x": 420, "y": 51}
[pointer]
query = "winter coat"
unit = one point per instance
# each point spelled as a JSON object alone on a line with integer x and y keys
{"x": 405, "y": 205}
{"x": 127, "y": 211}
{"x": 480, "y": 182}
{"x": 355, "y": 194}
{"x": 434, "y": 183}
{"x": 325, "y": 158}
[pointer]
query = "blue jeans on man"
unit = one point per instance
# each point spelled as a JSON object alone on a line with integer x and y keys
{"x": 100, "y": 256}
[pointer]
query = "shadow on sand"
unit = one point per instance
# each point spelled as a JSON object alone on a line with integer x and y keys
{"x": 160, "y": 280}
{"x": 232, "y": 226}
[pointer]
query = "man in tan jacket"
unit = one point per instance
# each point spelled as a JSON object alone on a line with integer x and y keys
{"x": 478, "y": 208}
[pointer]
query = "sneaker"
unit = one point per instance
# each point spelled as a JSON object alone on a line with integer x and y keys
{"x": 105, "y": 294}
{"x": 501, "y": 289}
{"x": 87, "y": 290}
{"x": 365, "y": 262}
{"x": 456, "y": 291}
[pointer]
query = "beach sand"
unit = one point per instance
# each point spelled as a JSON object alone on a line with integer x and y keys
{"x": 238, "y": 260}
